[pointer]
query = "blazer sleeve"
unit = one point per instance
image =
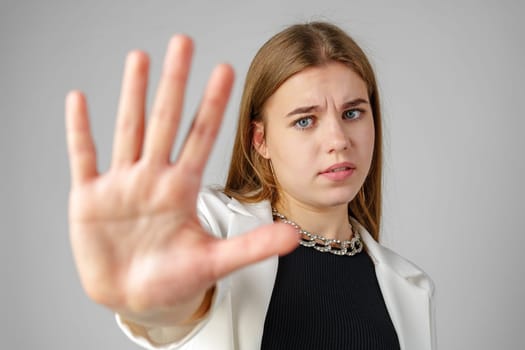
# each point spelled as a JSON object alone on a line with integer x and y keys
{"x": 213, "y": 217}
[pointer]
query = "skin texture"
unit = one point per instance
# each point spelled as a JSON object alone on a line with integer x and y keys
{"x": 131, "y": 226}
{"x": 335, "y": 127}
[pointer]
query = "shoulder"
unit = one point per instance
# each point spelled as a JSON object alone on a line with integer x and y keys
{"x": 387, "y": 259}
{"x": 217, "y": 211}
{"x": 212, "y": 196}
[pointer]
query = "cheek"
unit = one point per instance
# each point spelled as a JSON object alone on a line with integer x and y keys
{"x": 362, "y": 138}
{"x": 369, "y": 137}
{"x": 367, "y": 141}
{"x": 291, "y": 156}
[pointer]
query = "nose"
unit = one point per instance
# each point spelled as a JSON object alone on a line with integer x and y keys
{"x": 336, "y": 137}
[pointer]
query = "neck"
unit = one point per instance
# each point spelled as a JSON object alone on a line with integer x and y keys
{"x": 329, "y": 222}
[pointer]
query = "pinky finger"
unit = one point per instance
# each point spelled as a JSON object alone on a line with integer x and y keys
{"x": 80, "y": 145}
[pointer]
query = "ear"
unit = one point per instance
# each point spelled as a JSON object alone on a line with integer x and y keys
{"x": 259, "y": 141}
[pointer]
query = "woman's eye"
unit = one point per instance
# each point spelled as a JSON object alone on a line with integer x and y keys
{"x": 351, "y": 114}
{"x": 304, "y": 123}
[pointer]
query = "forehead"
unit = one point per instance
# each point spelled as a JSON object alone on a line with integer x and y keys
{"x": 333, "y": 82}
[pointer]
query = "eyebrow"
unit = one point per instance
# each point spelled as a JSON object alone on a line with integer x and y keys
{"x": 308, "y": 109}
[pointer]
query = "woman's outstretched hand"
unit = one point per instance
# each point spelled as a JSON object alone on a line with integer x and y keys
{"x": 138, "y": 244}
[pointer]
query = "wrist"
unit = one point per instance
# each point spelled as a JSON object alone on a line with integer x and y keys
{"x": 183, "y": 314}
{"x": 203, "y": 309}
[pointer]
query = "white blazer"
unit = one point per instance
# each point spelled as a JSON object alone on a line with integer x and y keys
{"x": 236, "y": 318}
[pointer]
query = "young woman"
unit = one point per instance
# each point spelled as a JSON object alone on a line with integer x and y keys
{"x": 191, "y": 268}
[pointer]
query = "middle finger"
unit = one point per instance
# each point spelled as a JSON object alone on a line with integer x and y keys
{"x": 168, "y": 104}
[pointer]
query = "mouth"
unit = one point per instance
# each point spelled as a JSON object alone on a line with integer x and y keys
{"x": 344, "y": 168}
{"x": 341, "y": 167}
{"x": 338, "y": 172}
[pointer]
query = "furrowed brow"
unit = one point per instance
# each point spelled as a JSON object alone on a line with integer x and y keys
{"x": 354, "y": 103}
{"x": 302, "y": 110}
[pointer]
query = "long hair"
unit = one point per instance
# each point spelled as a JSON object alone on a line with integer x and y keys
{"x": 292, "y": 50}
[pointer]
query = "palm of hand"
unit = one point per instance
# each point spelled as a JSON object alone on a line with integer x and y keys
{"x": 136, "y": 238}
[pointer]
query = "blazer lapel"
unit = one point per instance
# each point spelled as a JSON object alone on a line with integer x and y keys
{"x": 407, "y": 292}
{"x": 251, "y": 286}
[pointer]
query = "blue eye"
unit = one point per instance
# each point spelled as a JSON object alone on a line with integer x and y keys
{"x": 304, "y": 123}
{"x": 351, "y": 114}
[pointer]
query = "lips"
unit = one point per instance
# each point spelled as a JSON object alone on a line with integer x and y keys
{"x": 339, "y": 172}
{"x": 338, "y": 168}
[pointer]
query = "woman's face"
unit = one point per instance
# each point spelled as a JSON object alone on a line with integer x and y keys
{"x": 319, "y": 136}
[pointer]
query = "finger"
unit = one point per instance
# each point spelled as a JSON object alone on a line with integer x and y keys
{"x": 129, "y": 131}
{"x": 80, "y": 145}
{"x": 262, "y": 243}
{"x": 205, "y": 126}
{"x": 167, "y": 107}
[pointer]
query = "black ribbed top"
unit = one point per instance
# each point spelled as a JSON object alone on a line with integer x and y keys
{"x": 325, "y": 301}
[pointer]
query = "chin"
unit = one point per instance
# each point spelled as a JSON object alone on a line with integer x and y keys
{"x": 339, "y": 197}
{"x": 334, "y": 200}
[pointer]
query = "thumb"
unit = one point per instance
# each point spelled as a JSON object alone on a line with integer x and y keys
{"x": 234, "y": 253}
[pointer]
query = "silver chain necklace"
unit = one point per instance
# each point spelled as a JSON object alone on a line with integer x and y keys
{"x": 322, "y": 244}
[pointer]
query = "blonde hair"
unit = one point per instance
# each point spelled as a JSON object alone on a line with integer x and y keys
{"x": 250, "y": 178}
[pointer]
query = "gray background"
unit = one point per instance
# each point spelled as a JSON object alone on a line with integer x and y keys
{"x": 451, "y": 76}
